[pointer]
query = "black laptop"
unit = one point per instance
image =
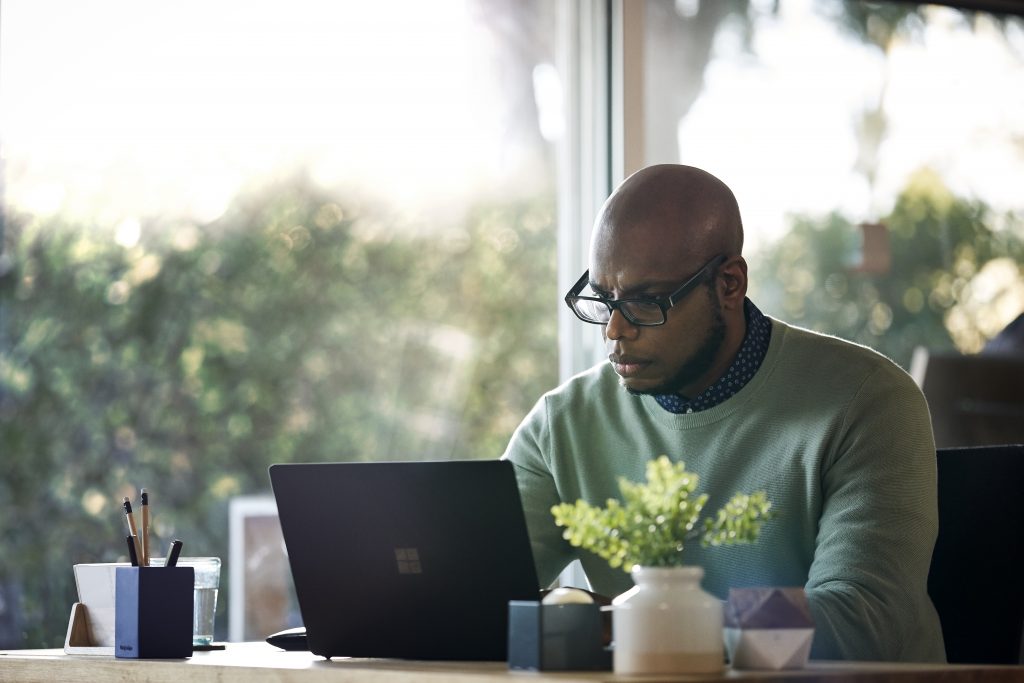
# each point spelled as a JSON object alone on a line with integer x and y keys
{"x": 409, "y": 560}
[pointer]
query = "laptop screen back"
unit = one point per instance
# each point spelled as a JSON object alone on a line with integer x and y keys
{"x": 412, "y": 560}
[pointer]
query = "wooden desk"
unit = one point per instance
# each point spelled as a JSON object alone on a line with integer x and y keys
{"x": 259, "y": 663}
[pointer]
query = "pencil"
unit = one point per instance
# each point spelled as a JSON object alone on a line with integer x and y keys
{"x": 131, "y": 550}
{"x": 172, "y": 554}
{"x": 146, "y": 553}
{"x": 127, "y": 505}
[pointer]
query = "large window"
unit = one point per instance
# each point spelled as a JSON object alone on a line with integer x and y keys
{"x": 875, "y": 149}
{"x": 244, "y": 233}
{"x": 237, "y": 233}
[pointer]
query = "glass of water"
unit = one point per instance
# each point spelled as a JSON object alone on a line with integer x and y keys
{"x": 207, "y": 570}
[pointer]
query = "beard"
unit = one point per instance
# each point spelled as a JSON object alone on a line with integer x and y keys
{"x": 701, "y": 360}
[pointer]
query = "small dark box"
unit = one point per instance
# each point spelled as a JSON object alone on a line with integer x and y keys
{"x": 153, "y": 612}
{"x": 565, "y": 637}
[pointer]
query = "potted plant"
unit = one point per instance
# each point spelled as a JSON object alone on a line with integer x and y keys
{"x": 666, "y": 623}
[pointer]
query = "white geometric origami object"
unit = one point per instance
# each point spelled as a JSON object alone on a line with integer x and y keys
{"x": 768, "y": 628}
{"x": 768, "y": 648}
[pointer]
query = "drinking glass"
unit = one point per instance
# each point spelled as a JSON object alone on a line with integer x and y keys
{"x": 207, "y": 570}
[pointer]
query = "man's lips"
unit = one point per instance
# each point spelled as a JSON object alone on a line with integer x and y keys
{"x": 627, "y": 366}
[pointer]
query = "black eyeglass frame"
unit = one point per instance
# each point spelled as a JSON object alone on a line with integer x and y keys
{"x": 662, "y": 302}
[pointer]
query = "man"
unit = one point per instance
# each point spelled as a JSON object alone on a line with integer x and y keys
{"x": 837, "y": 435}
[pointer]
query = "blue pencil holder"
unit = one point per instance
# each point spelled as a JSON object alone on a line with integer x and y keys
{"x": 153, "y": 612}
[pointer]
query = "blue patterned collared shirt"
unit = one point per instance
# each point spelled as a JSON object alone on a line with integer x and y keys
{"x": 744, "y": 367}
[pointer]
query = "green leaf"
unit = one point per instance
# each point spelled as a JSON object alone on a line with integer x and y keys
{"x": 651, "y": 524}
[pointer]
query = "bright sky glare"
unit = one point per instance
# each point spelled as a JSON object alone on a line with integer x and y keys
{"x": 175, "y": 106}
{"x": 121, "y": 109}
{"x": 779, "y": 127}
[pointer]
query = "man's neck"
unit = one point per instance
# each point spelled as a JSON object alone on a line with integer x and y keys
{"x": 743, "y": 364}
{"x": 735, "y": 331}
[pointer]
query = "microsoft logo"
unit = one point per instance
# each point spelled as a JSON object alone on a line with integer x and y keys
{"x": 408, "y": 561}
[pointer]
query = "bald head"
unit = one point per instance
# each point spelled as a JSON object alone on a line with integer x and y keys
{"x": 665, "y": 235}
{"x": 678, "y": 211}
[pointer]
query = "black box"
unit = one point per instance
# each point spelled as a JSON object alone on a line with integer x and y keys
{"x": 565, "y": 637}
{"x": 153, "y": 612}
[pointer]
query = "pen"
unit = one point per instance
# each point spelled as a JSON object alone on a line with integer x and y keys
{"x": 146, "y": 552}
{"x": 131, "y": 550}
{"x": 131, "y": 526}
{"x": 172, "y": 554}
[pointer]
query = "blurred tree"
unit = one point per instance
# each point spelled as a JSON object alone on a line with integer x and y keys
{"x": 946, "y": 252}
{"x": 297, "y": 327}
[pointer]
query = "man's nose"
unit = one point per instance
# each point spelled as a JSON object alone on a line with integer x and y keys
{"x": 619, "y": 328}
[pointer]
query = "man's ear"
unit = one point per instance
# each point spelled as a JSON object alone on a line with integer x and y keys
{"x": 732, "y": 283}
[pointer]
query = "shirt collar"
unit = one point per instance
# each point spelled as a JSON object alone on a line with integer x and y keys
{"x": 744, "y": 367}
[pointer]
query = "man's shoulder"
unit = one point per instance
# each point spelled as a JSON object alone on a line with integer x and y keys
{"x": 591, "y": 394}
{"x": 589, "y": 397}
{"x": 827, "y": 356}
{"x": 815, "y": 345}
{"x": 592, "y": 383}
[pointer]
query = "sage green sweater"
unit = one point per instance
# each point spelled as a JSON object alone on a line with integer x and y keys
{"x": 837, "y": 435}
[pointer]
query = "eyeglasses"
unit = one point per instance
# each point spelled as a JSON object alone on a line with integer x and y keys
{"x": 648, "y": 312}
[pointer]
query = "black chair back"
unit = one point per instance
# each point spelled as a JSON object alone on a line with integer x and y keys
{"x": 977, "y": 571}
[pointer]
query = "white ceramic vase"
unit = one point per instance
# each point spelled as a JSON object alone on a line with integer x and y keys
{"x": 667, "y": 624}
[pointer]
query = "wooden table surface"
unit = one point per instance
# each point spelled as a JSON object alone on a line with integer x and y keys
{"x": 259, "y": 663}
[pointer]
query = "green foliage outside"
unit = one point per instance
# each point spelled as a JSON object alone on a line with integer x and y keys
{"x": 299, "y": 327}
{"x": 652, "y": 523}
{"x": 952, "y": 261}
{"x": 304, "y": 327}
